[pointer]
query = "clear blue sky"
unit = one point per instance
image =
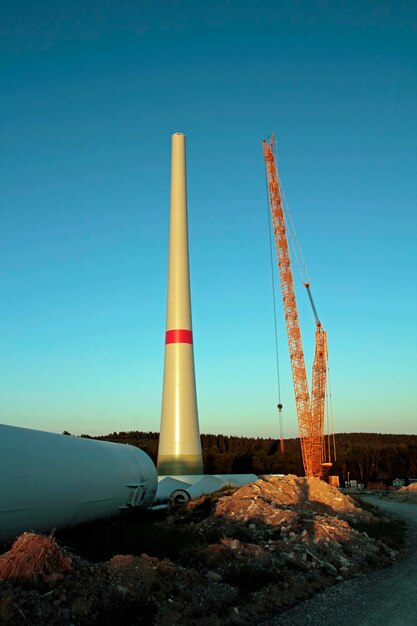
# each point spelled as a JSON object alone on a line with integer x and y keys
{"x": 91, "y": 93}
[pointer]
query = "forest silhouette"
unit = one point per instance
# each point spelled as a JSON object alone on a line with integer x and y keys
{"x": 360, "y": 456}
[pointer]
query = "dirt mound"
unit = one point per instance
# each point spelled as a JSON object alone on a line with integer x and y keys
{"x": 249, "y": 554}
{"x": 34, "y": 555}
{"x": 278, "y": 499}
{"x": 409, "y": 489}
{"x": 406, "y": 494}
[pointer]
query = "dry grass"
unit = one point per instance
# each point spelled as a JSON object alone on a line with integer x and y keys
{"x": 34, "y": 555}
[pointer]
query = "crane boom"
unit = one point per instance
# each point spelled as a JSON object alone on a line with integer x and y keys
{"x": 310, "y": 413}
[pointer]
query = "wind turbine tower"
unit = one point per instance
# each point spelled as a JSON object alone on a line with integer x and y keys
{"x": 179, "y": 450}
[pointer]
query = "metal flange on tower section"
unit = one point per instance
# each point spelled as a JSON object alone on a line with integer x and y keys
{"x": 179, "y": 450}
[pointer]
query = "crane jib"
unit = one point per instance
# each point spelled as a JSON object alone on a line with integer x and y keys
{"x": 316, "y": 317}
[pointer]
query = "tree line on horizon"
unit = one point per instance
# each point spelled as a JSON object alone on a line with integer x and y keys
{"x": 360, "y": 456}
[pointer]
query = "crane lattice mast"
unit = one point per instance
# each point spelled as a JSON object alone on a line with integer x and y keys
{"x": 310, "y": 413}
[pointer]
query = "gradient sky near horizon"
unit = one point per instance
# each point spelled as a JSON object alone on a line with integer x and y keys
{"x": 91, "y": 95}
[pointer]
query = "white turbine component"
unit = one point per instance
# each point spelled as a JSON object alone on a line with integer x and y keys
{"x": 54, "y": 481}
{"x": 192, "y": 487}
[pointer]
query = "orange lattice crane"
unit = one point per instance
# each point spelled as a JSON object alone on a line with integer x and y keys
{"x": 310, "y": 413}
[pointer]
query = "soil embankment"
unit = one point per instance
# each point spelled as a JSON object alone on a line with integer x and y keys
{"x": 239, "y": 556}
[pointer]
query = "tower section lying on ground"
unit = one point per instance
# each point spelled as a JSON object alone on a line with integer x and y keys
{"x": 52, "y": 481}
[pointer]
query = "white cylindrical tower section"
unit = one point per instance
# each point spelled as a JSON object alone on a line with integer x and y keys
{"x": 53, "y": 481}
{"x": 179, "y": 450}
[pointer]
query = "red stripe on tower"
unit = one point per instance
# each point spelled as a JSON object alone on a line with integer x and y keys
{"x": 178, "y": 335}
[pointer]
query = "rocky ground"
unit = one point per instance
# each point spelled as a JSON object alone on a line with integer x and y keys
{"x": 238, "y": 556}
{"x": 382, "y": 596}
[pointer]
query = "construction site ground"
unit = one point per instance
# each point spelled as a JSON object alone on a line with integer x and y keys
{"x": 380, "y": 597}
{"x": 240, "y": 556}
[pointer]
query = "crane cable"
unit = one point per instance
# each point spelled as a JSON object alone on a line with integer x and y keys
{"x": 296, "y": 247}
{"x": 294, "y": 241}
{"x": 281, "y": 431}
{"x": 331, "y": 420}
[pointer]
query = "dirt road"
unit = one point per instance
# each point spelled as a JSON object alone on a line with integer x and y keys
{"x": 386, "y": 597}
